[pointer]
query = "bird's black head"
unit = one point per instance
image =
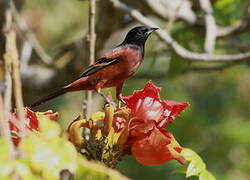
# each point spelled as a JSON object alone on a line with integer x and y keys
{"x": 138, "y": 35}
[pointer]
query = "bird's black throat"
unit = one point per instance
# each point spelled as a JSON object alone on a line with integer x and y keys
{"x": 136, "y": 37}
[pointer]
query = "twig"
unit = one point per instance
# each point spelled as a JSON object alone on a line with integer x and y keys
{"x": 240, "y": 26}
{"x": 11, "y": 56}
{"x": 25, "y": 56}
{"x": 181, "y": 51}
{"x": 172, "y": 18}
{"x": 92, "y": 35}
{"x": 239, "y": 44}
{"x": 29, "y": 35}
{"x": 8, "y": 69}
{"x": 5, "y": 111}
{"x": 165, "y": 9}
{"x": 4, "y": 128}
{"x": 17, "y": 85}
{"x": 211, "y": 68}
{"x": 92, "y": 40}
{"x": 211, "y": 28}
{"x": 225, "y": 31}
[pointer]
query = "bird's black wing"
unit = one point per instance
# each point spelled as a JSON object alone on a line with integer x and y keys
{"x": 99, "y": 65}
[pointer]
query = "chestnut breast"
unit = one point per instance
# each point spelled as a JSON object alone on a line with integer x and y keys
{"x": 129, "y": 61}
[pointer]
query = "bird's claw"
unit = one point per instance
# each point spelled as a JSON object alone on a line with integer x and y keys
{"x": 111, "y": 102}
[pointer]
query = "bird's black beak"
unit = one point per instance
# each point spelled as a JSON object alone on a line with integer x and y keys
{"x": 151, "y": 30}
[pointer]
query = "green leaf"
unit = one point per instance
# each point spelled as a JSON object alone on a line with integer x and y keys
{"x": 24, "y": 171}
{"x": 223, "y": 3}
{"x": 180, "y": 170}
{"x": 195, "y": 167}
{"x": 205, "y": 175}
{"x": 4, "y": 150}
{"x": 189, "y": 154}
{"x": 6, "y": 168}
{"x": 49, "y": 129}
{"x": 94, "y": 170}
{"x": 47, "y": 153}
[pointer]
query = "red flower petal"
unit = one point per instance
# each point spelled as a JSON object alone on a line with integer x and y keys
{"x": 148, "y": 108}
{"x": 149, "y": 142}
{"x": 52, "y": 116}
{"x": 15, "y": 140}
{"x": 156, "y": 149}
{"x": 139, "y": 128}
{"x": 32, "y": 122}
{"x": 146, "y": 104}
{"x": 119, "y": 123}
{"x": 173, "y": 108}
{"x": 150, "y": 90}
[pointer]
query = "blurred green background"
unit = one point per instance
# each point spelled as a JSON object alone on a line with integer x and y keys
{"x": 217, "y": 123}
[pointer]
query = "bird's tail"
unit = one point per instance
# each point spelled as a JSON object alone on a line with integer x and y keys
{"x": 49, "y": 97}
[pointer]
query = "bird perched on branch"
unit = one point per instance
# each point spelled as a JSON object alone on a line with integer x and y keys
{"x": 112, "y": 69}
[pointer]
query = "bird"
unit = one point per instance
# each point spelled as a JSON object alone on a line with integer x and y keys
{"x": 111, "y": 70}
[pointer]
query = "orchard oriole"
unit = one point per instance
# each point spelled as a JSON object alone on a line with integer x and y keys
{"x": 112, "y": 69}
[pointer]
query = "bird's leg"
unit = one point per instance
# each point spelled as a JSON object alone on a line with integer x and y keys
{"x": 119, "y": 93}
{"x": 120, "y": 104}
{"x": 98, "y": 90}
{"x": 107, "y": 99}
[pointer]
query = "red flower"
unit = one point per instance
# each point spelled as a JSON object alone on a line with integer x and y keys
{"x": 150, "y": 143}
{"x": 32, "y": 123}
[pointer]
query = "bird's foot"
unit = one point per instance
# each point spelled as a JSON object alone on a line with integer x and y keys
{"x": 111, "y": 103}
{"x": 108, "y": 100}
{"x": 120, "y": 100}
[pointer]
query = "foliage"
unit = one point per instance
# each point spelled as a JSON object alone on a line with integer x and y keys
{"x": 196, "y": 166}
{"x": 136, "y": 128}
{"x": 216, "y": 125}
{"x": 48, "y": 155}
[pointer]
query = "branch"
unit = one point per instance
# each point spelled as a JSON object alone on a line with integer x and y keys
{"x": 8, "y": 69}
{"x": 239, "y": 44}
{"x": 211, "y": 68}
{"x": 92, "y": 40}
{"x": 225, "y": 31}
{"x": 92, "y": 35}
{"x": 4, "y": 128}
{"x": 17, "y": 85}
{"x": 211, "y": 28}
{"x": 166, "y": 9}
{"x": 29, "y": 35}
{"x": 5, "y": 111}
{"x": 240, "y": 26}
{"x": 178, "y": 49}
{"x": 11, "y": 57}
